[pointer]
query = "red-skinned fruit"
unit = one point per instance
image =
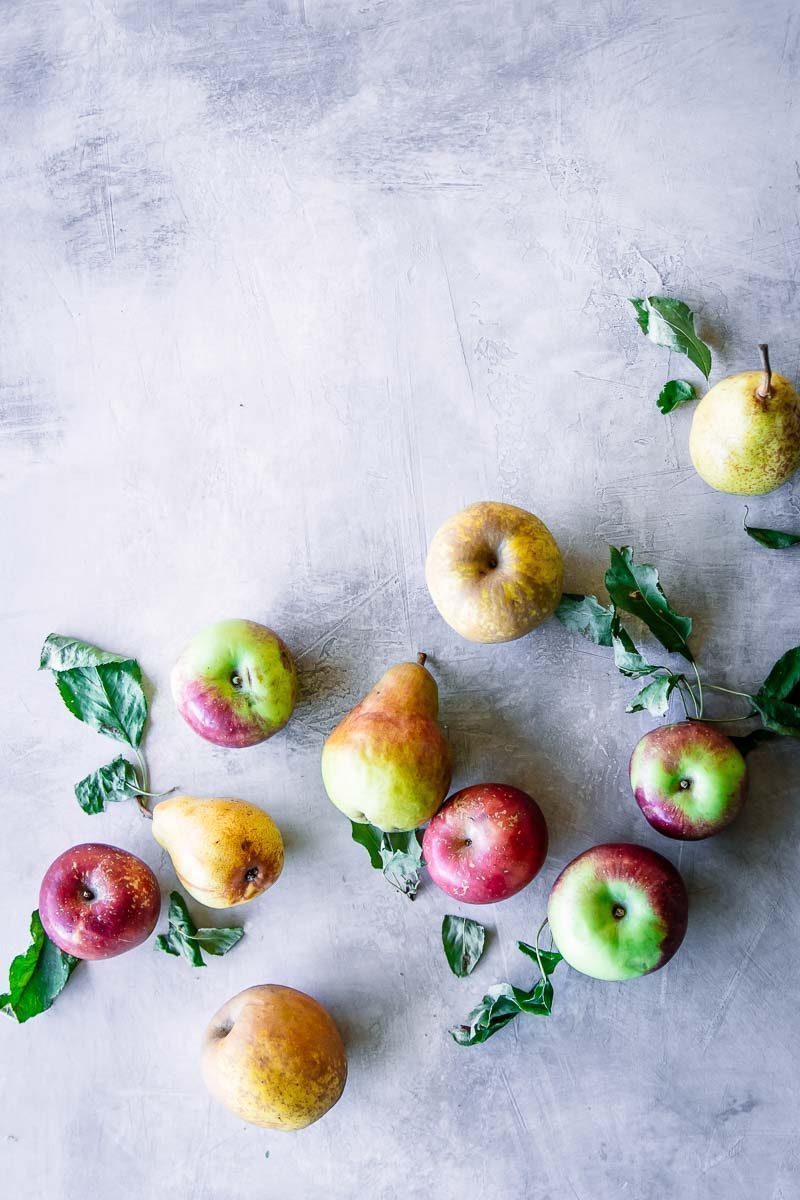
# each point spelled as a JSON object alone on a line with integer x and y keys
{"x": 485, "y": 843}
{"x": 97, "y": 901}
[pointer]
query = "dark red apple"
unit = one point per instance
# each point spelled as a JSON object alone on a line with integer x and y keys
{"x": 485, "y": 843}
{"x": 97, "y": 901}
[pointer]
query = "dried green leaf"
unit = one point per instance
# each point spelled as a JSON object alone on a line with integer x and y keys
{"x": 669, "y": 322}
{"x": 587, "y": 616}
{"x": 184, "y": 938}
{"x": 636, "y": 589}
{"x": 115, "y": 781}
{"x": 463, "y": 940}
{"x": 654, "y": 696}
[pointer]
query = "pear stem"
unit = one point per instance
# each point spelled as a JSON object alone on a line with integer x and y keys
{"x": 765, "y": 387}
{"x": 422, "y": 658}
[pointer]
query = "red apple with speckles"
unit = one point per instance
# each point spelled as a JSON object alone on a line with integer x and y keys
{"x": 98, "y": 901}
{"x": 485, "y": 843}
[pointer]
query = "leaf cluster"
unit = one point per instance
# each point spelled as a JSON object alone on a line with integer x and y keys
{"x": 634, "y": 589}
{"x": 503, "y": 1002}
{"x": 184, "y": 938}
{"x": 397, "y": 855}
{"x": 104, "y": 691}
{"x": 669, "y": 322}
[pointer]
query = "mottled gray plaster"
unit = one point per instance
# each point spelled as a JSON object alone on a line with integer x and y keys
{"x": 282, "y": 286}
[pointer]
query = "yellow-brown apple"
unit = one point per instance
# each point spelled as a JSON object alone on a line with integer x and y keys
{"x": 274, "y": 1057}
{"x": 494, "y": 572}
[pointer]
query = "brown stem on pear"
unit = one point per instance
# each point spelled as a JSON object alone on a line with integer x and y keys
{"x": 422, "y": 658}
{"x": 764, "y": 390}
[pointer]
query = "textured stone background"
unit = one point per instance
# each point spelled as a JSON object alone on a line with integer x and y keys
{"x": 284, "y": 284}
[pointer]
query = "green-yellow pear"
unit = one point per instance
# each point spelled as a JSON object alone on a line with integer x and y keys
{"x": 224, "y": 851}
{"x": 745, "y": 436}
{"x": 274, "y": 1057}
{"x": 388, "y": 761}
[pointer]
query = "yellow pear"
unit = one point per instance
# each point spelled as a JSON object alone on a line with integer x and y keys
{"x": 388, "y": 761}
{"x": 745, "y": 436}
{"x": 224, "y": 851}
{"x": 274, "y": 1057}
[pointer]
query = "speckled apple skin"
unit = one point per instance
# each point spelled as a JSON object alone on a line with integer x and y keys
{"x": 122, "y": 913}
{"x": 274, "y": 1057}
{"x": 494, "y": 572}
{"x": 486, "y": 843}
{"x": 580, "y": 911}
{"x": 709, "y": 764}
{"x": 235, "y": 684}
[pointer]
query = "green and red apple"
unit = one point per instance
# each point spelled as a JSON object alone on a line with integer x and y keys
{"x": 494, "y": 572}
{"x": 689, "y": 780}
{"x": 618, "y": 911}
{"x": 235, "y": 684}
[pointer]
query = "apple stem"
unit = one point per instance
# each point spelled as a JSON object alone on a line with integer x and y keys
{"x": 764, "y": 390}
{"x": 422, "y": 658}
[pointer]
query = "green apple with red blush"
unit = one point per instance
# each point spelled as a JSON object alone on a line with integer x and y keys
{"x": 235, "y": 684}
{"x": 618, "y": 911}
{"x": 689, "y": 780}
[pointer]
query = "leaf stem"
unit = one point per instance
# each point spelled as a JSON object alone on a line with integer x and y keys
{"x": 145, "y": 779}
{"x": 699, "y": 688}
{"x": 537, "y": 949}
{"x": 715, "y": 687}
{"x": 683, "y": 701}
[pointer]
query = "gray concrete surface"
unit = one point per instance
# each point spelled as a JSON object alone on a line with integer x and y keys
{"x": 285, "y": 284}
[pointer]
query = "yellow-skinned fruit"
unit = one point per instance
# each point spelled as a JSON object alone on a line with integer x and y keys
{"x": 494, "y": 572}
{"x": 388, "y": 761}
{"x": 224, "y": 851}
{"x": 745, "y": 436}
{"x": 274, "y": 1057}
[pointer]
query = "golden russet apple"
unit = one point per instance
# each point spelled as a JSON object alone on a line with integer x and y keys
{"x": 224, "y": 851}
{"x": 274, "y": 1057}
{"x": 494, "y": 572}
{"x": 745, "y": 435}
{"x": 388, "y": 762}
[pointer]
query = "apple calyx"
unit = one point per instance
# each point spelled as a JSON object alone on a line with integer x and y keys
{"x": 764, "y": 390}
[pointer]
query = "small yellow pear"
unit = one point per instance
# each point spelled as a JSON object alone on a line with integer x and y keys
{"x": 224, "y": 851}
{"x": 274, "y": 1057}
{"x": 745, "y": 436}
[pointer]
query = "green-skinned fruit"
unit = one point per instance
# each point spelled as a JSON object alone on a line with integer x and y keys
{"x": 388, "y": 761}
{"x": 689, "y": 780}
{"x": 618, "y": 911}
{"x": 745, "y": 436}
